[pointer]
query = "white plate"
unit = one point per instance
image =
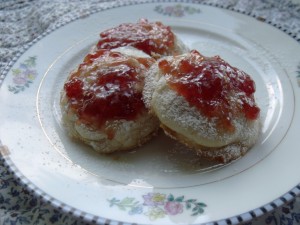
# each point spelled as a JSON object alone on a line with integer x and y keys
{"x": 158, "y": 183}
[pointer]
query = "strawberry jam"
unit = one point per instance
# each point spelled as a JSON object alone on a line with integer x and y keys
{"x": 155, "y": 39}
{"x": 215, "y": 88}
{"x": 107, "y": 86}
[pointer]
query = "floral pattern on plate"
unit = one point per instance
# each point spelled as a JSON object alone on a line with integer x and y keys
{"x": 177, "y": 10}
{"x": 157, "y": 205}
{"x": 24, "y": 75}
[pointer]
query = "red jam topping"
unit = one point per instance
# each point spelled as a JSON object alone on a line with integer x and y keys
{"x": 214, "y": 87}
{"x": 151, "y": 38}
{"x": 107, "y": 86}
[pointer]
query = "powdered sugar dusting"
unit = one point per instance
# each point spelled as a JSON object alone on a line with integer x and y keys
{"x": 192, "y": 126}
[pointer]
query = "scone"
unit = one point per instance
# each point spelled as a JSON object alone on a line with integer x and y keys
{"x": 204, "y": 103}
{"x": 153, "y": 38}
{"x": 102, "y": 104}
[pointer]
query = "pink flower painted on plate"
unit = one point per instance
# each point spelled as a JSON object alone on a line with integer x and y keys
{"x": 19, "y": 80}
{"x": 173, "y": 208}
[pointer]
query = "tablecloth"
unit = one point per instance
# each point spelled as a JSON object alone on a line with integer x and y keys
{"x": 21, "y": 21}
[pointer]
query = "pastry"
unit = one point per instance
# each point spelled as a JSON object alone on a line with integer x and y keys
{"x": 153, "y": 38}
{"x": 204, "y": 103}
{"x": 101, "y": 101}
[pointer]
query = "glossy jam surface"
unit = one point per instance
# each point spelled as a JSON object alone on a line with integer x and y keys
{"x": 107, "y": 86}
{"x": 151, "y": 38}
{"x": 214, "y": 87}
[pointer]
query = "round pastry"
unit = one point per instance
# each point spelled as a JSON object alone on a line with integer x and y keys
{"x": 102, "y": 104}
{"x": 155, "y": 39}
{"x": 204, "y": 103}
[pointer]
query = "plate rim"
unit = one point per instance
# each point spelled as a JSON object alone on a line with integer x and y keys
{"x": 10, "y": 166}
